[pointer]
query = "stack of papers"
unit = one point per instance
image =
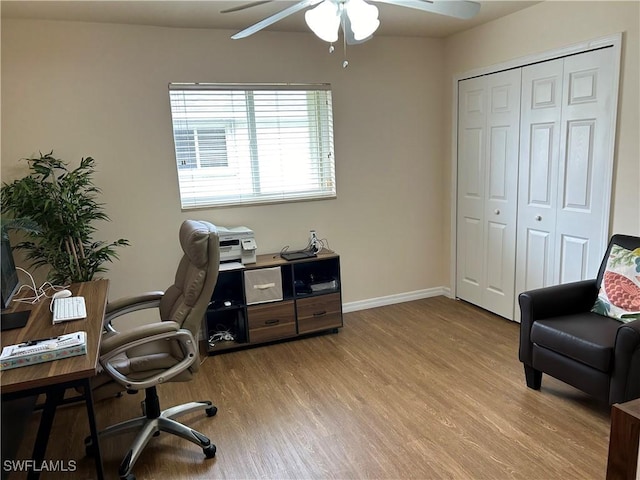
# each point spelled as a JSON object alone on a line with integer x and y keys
{"x": 230, "y": 266}
{"x": 43, "y": 350}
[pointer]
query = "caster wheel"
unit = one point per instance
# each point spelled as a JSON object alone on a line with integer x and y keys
{"x": 211, "y": 411}
{"x": 130, "y": 476}
{"x": 210, "y": 451}
{"x": 156, "y": 433}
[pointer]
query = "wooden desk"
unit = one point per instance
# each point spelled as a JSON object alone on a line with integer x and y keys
{"x": 55, "y": 377}
{"x": 623, "y": 463}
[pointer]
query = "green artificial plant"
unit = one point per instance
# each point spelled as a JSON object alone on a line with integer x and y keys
{"x": 63, "y": 205}
{"x": 23, "y": 224}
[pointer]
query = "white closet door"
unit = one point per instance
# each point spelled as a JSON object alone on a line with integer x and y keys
{"x": 568, "y": 109}
{"x": 501, "y": 177}
{"x": 471, "y": 196}
{"x": 586, "y": 166}
{"x": 538, "y": 179}
{"x": 488, "y": 139}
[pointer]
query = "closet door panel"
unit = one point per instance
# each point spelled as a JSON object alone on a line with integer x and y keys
{"x": 472, "y": 178}
{"x": 537, "y": 259}
{"x": 488, "y": 131}
{"x": 540, "y": 189}
{"x": 578, "y": 166}
{"x": 538, "y": 175}
{"x": 470, "y": 266}
{"x": 503, "y": 121}
{"x": 585, "y": 170}
{"x": 471, "y": 189}
{"x": 497, "y": 234}
{"x": 574, "y": 258}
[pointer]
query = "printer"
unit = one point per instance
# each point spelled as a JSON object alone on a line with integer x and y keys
{"x": 237, "y": 244}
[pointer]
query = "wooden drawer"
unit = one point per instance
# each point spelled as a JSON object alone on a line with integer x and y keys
{"x": 319, "y": 313}
{"x": 271, "y": 321}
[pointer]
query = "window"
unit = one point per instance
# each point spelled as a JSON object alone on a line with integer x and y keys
{"x": 200, "y": 147}
{"x": 248, "y": 144}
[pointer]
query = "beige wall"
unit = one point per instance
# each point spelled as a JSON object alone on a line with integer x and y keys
{"x": 101, "y": 90}
{"x": 551, "y": 25}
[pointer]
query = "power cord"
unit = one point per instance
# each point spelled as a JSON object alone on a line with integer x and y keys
{"x": 322, "y": 244}
{"x": 221, "y": 335}
{"x": 43, "y": 291}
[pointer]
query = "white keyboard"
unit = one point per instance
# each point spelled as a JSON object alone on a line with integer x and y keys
{"x": 70, "y": 308}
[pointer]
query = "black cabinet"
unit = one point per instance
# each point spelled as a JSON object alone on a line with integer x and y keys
{"x": 272, "y": 300}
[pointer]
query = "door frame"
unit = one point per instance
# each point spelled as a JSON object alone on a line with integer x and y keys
{"x": 614, "y": 41}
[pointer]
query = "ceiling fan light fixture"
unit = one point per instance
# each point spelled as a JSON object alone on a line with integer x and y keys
{"x": 324, "y": 20}
{"x": 363, "y": 18}
{"x": 327, "y": 16}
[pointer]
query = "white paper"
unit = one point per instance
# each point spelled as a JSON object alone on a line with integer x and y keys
{"x": 230, "y": 266}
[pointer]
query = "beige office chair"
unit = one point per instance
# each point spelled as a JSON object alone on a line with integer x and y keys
{"x": 166, "y": 351}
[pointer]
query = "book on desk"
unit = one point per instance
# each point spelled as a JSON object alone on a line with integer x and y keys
{"x": 43, "y": 350}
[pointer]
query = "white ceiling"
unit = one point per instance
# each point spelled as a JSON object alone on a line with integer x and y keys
{"x": 394, "y": 20}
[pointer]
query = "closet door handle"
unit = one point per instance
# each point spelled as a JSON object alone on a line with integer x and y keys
{"x": 538, "y": 218}
{"x": 496, "y": 211}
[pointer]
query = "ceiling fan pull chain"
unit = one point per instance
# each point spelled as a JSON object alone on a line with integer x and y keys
{"x": 345, "y": 62}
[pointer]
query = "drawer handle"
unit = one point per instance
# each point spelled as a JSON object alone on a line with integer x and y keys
{"x": 264, "y": 286}
{"x": 272, "y": 322}
{"x": 320, "y": 314}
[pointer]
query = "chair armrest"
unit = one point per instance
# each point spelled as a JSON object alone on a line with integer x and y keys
{"x": 559, "y": 300}
{"x": 554, "y": 301}
{"x": 625, "y": 381}
{"x": 136, "y": 334}
{"x": 121, "y": 342}
{"x": 127, "y": 305}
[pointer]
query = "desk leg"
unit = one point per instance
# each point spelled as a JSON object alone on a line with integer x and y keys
{"x": 54, "y": 397}
{"x": 95, "y": 438}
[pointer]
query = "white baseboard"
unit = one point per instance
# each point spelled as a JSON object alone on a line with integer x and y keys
{"x": 397, "y": 298}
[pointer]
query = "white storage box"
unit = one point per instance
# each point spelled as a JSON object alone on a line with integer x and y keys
{"x": 263, "y": 285}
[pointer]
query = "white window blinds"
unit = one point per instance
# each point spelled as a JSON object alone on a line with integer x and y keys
{"x": 248, "y": 144}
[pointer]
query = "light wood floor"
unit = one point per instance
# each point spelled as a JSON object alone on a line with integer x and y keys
{"x": 428, "y": 389}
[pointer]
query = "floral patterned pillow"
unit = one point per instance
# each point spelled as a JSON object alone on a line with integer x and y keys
{"x": 619, "y": 295}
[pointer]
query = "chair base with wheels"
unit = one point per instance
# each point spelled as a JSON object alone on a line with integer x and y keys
{"x": 152, "y": 423}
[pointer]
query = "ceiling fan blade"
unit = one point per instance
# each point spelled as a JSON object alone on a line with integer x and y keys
{"x": 245, "y": 6}
{"x": 463, "y": 9}
{"x": 275, "y": 18}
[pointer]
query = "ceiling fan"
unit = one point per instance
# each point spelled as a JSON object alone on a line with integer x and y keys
{"x": 358, "y": 19}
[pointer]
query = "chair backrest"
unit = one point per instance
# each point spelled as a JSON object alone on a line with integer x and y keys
{"x": 625, "y": 241}
{"x": 186, "y": 301}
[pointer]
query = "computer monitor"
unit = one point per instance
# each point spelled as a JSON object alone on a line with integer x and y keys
{"x": 8, "y": 273}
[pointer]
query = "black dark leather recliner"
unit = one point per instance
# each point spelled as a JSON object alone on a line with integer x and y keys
{"x": 561, "y": 337}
